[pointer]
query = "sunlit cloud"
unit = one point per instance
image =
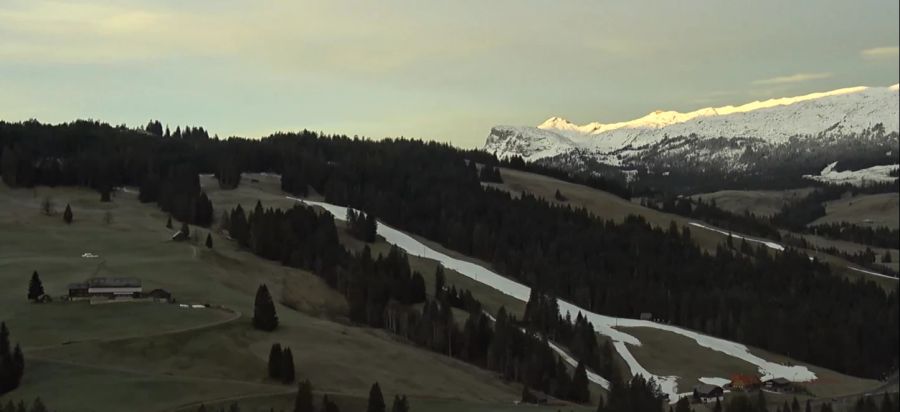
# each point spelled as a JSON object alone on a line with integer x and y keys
{"x": 890, "y": 52}
{"x": 794, "y": 78}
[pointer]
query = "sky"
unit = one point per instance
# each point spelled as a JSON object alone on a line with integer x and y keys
{"x": 445, "y": 71}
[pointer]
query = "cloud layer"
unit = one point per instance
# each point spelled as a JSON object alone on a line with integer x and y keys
{"x": 794, "y": 78}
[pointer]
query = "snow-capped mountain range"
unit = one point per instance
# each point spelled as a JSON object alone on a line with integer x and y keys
{"x": 828, "y": 115}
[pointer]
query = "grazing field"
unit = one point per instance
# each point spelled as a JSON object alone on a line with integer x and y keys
{"x": 164, "y": 356}
{"x": 759, "y": 202}
{"x": 882, "y": 209}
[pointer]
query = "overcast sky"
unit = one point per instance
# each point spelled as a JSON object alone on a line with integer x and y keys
{"x": 448, "y": 71}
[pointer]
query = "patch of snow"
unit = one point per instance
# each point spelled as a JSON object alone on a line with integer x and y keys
{"x": 769, "y": 244}
{"x": 869, "y": 272}
{"x": 603, "y": 324}
{"x": 198, "y": 307}
{"x": 89, "y": 255}
{"x": 715, "y": 381}
{"x": 862, "y": 177}
{"x": 593, "y": 377}
{"x": 182, "y": 305}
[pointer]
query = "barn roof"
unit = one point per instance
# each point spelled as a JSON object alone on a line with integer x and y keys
{"x": 113, "y": 282}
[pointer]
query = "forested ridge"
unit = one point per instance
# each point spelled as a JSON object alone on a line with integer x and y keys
{"x": 784, "y": 302}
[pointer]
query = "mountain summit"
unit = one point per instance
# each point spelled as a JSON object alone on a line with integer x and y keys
{"x": 842, "y": 112}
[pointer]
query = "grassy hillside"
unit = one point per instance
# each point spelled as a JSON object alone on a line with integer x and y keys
{"x": 758, "y": 202}
{"x": 882, "y": 209}
{"x": 160, "y": 356}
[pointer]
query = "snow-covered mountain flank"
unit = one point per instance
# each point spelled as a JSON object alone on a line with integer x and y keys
{"x": 731, "y": 138}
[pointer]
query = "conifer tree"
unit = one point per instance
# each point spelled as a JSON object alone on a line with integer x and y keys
{"x": 38, "y": 405}
{"x": 185, "y": 231}
{"x": 439, "y": 281}
{"x": 275, "y": 361}
{"x": 18, "y": 365}
{"x": 328, "y": 405}
{"x": 264, "y": 317}
{"x": 683, "y": 405}
{"x": 67, "y": 215}
{"x": 287, "y": 366}
{"x": 527, "y": 396}
{"x": 376, "y": 399}
{"x": 209, "y": 240}
{"x": 169, "y": 225}
{"x": 35, "y": 287}
{"x": 12, "y": 362}
{"x": 579, "y": 389}
{"x": 559, "y": 196}
{"x": 400, "y": 404}
{"x": 304, "y": 400}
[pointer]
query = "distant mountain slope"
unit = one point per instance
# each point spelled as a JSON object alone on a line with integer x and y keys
{"x": 726, "y": 139}
{"x": 838, "y": 112}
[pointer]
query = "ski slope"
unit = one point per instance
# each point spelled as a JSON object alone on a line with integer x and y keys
{"x": 605, "y": 325}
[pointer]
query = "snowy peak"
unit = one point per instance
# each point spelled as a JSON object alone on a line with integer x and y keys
{"x": 841, "y": 111}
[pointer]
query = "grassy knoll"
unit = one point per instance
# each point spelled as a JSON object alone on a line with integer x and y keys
{"x": 759, "y": 202}
{"x": 867, "y": 210}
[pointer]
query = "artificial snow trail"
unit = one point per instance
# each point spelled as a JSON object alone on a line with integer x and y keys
{"x": 603, "y": 324}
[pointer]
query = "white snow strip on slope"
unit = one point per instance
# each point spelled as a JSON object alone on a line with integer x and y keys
{"x": 862, "y": 177}
{"x": 602, "y": 324}
{"x": 593, "y": 377}
{"x": 771, "y": 245}
{"x": 868, "y": 272}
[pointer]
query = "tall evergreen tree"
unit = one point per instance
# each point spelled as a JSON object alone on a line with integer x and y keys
{"x": 328, "y": 405}
{"x": 209, "y": 241}
{"x": 439, "y": 280}
{"x": 400, "y": 404}
{"x": 169, "y": 222}
{"x": 275, "y": 361}
{"x": 683, "y": 405}
{"x": 35, "y": 287}
{"x": 67, "y": 215}
{"x": 12, "y": 362}
{"x": 38, "y": 405}
{"x": 579, "y": 388}
{"x": 376, "y": 399}
{"x": 287, "y": 366}
{"x": 304, "y": 400}
{"x": 264, "y": 317}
